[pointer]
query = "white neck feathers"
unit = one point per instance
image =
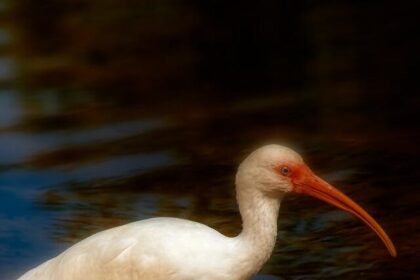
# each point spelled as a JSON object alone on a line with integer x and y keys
{"x": 259, "y": 214}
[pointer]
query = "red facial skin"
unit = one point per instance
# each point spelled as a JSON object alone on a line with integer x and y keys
{"x": 306, "y": 182}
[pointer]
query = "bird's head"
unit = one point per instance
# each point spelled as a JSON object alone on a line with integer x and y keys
{"x": 275, "y": 170}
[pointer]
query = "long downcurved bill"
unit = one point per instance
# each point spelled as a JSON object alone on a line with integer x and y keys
{"x": 314, "y": 186}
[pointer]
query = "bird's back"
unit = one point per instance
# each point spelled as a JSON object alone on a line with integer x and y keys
{"x": 159, "y": 248}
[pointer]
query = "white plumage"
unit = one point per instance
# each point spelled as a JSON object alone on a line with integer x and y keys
{"x": 159, "y": 248}
{"x": 177, "y": 249}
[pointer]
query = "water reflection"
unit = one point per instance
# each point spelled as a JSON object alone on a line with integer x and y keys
{"x": 18, "y": 147}
{"x": 7, "y": 68}
{"x": 110, "y": 114}
{"x": 10, "y": 111}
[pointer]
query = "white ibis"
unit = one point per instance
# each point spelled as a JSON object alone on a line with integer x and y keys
{"x": 176, "y": 249}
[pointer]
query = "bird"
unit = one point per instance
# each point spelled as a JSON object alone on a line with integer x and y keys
{"x": 177, "y": 249}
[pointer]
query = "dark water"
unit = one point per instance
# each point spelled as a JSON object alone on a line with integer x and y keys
{"x": 111, "y": 113}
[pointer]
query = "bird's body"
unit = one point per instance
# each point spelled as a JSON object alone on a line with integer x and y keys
{"x": 186, "y": 250}
{"x": 177, "y": 249}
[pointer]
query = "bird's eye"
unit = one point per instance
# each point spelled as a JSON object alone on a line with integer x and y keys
{"x": 285, "y": 171}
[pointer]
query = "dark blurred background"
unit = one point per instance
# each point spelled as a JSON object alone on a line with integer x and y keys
{"x": 113, "y": 111}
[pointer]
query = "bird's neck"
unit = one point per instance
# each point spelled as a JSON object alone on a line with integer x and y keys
{"x": 259, "y": 219}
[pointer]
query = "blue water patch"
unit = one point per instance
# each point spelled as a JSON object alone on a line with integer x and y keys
{"x": 23, "y": 238}
{"x": 26, "y": 181}
{"x": 16, "y": 147}
{"x": 10, "y": 110}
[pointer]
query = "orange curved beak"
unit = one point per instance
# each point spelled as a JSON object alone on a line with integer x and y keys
{"x": 307, "y": 182}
